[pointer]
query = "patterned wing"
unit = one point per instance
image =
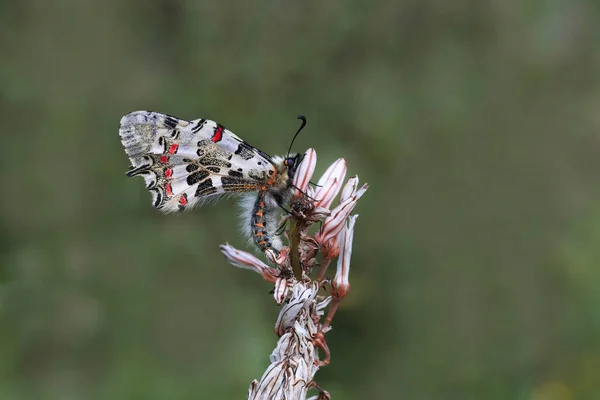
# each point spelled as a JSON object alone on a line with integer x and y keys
{"x": 185, "y": 162}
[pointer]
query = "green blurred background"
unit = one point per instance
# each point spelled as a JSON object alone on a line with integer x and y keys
{"x": 475, "y": 272}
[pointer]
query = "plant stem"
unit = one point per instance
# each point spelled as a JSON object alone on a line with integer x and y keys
{"x": 297, "y": 227}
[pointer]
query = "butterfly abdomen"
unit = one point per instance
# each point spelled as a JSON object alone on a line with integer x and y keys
{"x": 263, "y": 222}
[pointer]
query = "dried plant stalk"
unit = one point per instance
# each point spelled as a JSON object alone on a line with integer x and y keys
{"x": 300, "y": 325}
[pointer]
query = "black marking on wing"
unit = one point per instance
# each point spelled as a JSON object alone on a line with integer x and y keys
{"x": 159, "y": 198}
{"x": 199, "y": 125}
{"x": 211, "y": 161}
{"x": 257, "y": 175}
{"x": 245, "y": 151}
{"x": 228, "y": 182}
{"x": 204, "y": 142}
{"x": 152, "y": 183}
{"x": 216, "y": 170}
{"x": 171, "y": 122}
{"x": 197, "y": 177}
{"x": 255, "y": 150}
{"x": 163, "y": 143}
{"x": 192, "y": 167}
{"x": 137, "y": 170}
{"x": 205, "y": 188}
{"x": 236, "y": 174}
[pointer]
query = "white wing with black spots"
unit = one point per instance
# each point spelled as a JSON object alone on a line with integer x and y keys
{"x": 185, "y": 162}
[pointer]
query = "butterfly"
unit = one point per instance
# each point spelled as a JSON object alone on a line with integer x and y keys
{"x": 184, "y": 163}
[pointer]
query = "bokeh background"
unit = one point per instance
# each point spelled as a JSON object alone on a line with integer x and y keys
{"x": 475, "y": 273}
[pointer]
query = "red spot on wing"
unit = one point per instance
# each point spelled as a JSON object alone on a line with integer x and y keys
{"x": 183, "y": 199}
{"x": 169, "y": 173}
{"x": 218, "y": 135}
{"x": 173, "y": 148}
{"x": 169, "y": 189}
{"x": 164, "y": 159}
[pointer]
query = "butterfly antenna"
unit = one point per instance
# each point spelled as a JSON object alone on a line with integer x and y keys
{"x": 303, "y": 118}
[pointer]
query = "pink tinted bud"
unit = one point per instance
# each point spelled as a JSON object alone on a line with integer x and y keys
{"x": 245, "y": 260}
{"x": 305, "y": 170}
{"x": 349, "y": 189}
{"x": 332, "y": 248}
{"x": 326, "y": 193}
{"x": 335, "y": 222}
{"x": 340, "y": 281}
{"x": 330, "y": 183}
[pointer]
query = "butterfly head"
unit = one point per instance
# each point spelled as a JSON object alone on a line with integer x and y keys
{"x": 292, "y": 162}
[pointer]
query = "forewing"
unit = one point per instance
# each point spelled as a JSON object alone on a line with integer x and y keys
{"x": 186, "y": 162}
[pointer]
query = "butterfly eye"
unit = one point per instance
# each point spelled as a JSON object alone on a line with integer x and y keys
{"x": 290, "y": 162}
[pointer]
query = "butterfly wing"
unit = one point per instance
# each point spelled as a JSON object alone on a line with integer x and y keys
{"x": 186, "y": 162}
